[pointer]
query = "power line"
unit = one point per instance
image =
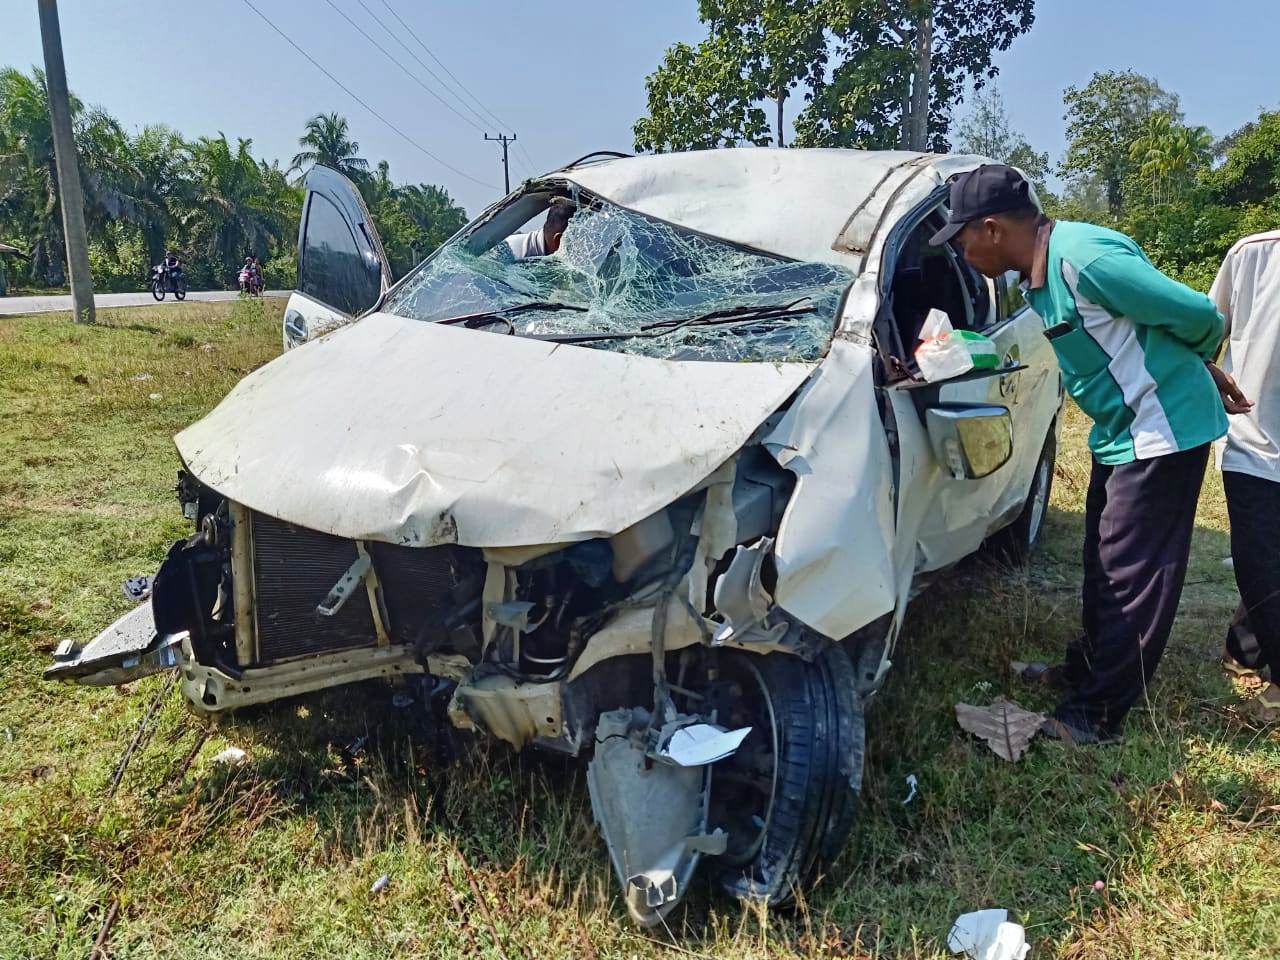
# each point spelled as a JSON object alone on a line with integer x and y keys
{"x": 315, "y": 63}
{"x": 530, "y": 166}
{"x": 407, "y": 72}
{"x": 435, "y": 76}
{"x": 494, "y": 117}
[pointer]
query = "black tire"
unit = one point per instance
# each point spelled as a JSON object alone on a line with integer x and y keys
{"x": 157, "y": 289}
{"x": 180, "y": 289}
{"x": 807, "y": 720}
{"x": 1016, "y": 542}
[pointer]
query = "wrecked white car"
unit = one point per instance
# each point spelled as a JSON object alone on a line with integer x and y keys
{"x": 658, "y": 500}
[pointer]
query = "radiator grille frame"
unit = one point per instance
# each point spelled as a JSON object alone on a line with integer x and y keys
{"x": 293, "y": 569}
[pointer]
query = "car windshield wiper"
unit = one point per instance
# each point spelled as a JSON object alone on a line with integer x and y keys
{"x": 500, "y": 313}
{"x": 728, "y": 317}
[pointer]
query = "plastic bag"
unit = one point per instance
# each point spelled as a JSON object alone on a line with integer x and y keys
{"x": 945, "y": 353}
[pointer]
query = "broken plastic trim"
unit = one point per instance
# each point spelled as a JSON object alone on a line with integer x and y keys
{"x": 653, "y": 815}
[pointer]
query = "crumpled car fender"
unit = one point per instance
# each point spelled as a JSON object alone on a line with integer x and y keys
{"x": 834, "y": 552}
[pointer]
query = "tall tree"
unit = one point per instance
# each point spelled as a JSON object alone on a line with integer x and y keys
{"x": 986, "y": 132}
{"x": 29, "y": 187}
{"x": 239, "y": 204}
{"x": 28, "y": 169}
{"x": 876, "y": 73}
{"x": 712, "y": 94}
{"x": 902, "y": 66}
{"x": 1168, "y": 153}
{"x": 165, "y": 189}
{"x": 327, "y": 141}
{"x": 1103, "y": 120}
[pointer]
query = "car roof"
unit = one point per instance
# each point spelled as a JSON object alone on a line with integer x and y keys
{"x": 818, "y": 204}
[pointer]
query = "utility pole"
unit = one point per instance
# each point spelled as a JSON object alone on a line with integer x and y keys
{"x": 506, "y": 141}
{"x": 70, "y": 194}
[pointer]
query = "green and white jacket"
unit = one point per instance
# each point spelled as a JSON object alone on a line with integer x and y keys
{"x": 1131, "y": 342}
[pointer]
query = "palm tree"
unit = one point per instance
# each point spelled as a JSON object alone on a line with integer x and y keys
{"x": 327, "y": 142}
{"x": 1169, "y": 152}
{"x": 29, "y": 172}
{"x": 239, "y": 204}
{"x": 161, "y": 161}
{"x": 29, "y": 184}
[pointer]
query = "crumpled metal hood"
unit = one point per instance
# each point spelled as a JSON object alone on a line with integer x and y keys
{"x": 410, "y": 432}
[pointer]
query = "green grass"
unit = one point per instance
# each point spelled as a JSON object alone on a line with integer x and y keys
{"x": 275, "y": 858}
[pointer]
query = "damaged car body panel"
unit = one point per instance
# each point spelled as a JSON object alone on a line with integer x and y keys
{"x": 516, "y": 442}
{"x": 835, "y": 568}
{"x": 658, "y": 499}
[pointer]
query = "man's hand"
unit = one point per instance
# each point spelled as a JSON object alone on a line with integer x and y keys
{"x": 1232, "y": 399}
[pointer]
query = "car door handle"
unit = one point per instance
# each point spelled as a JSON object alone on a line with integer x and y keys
{"x": 1009, "y": 380}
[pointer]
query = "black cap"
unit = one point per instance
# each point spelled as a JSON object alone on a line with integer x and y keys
{"x": 992, "y": 188}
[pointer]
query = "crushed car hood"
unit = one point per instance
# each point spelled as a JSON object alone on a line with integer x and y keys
{"x": 416, "y": 433}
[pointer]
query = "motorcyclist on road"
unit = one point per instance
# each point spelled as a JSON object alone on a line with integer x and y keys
{"x": 171, "y": 265}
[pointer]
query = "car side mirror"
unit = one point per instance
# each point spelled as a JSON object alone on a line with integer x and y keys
{"x": 970, "y": 440}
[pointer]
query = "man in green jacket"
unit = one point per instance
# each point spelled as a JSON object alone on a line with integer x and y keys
{"x": 1133, "y": 347}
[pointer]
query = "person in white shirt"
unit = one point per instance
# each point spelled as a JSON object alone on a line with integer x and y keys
{"x": 544, "y": 242}
{"x": 1247, "y": 293}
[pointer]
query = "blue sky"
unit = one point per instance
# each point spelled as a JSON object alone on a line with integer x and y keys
{"x": 568, "y": 75}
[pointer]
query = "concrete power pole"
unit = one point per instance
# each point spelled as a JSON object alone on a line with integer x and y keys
{"x": 70, "y": 194}
{"x": 506, "y": 142}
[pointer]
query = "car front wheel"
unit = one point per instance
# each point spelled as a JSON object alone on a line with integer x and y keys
{"x": 788, "y": 797}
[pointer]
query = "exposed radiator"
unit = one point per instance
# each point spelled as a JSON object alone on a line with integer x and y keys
{"x": 295, "y": 568}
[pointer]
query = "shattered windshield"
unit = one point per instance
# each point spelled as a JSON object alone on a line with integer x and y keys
{"x": 660, "y": 290}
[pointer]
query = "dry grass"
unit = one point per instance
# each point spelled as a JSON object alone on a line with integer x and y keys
{"x": 497, "y": 857}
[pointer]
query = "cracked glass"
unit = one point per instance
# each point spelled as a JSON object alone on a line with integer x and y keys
{"x": 619, "y": 272}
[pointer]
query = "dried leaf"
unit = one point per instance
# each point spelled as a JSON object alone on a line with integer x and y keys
{"x": 1005, "y": 726}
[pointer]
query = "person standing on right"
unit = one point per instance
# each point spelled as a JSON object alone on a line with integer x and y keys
{"x": 1247, "y": 294}
{"x": 1133, "y": 347}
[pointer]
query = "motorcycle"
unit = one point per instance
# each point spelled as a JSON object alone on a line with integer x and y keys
{"x": 250, "y": 282}
{"x": 167, "y": 281}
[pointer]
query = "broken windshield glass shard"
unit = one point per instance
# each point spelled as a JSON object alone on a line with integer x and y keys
{"x": 644, "y": 281}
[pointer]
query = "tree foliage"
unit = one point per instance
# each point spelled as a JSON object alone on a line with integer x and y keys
{"x": 1168, "y": 153}
{"x": 899, "y": 68}
{"x": 327, "y": 141}
{"x": 413, "y": 218}
{"x": 873, "y": 73}
{"x": 210, "y": 198}
{"x": 1193, "y": 217}
{"x": 712, "y": 94}
{"x": 1250, "y": 170}
{"x": 1103, "y": 121}
{"x": 986, "y": 132}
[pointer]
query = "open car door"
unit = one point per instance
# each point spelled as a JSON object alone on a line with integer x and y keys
{"x": 342, "y": 269}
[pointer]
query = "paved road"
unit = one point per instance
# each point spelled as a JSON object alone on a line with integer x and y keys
{"x": 9, "y": 306}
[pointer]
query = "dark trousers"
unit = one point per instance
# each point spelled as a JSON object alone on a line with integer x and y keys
{"x": 1254, "y": 507}
{"x": 1138, "y": 522}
